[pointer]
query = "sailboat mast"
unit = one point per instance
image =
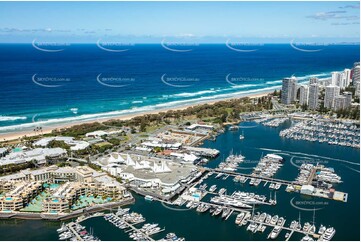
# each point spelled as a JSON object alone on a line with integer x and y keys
{"x": 299, "y": 217}
{"x": 314, "y": 210}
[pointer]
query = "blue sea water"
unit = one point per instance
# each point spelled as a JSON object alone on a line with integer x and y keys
{"x": 84, "y": 82}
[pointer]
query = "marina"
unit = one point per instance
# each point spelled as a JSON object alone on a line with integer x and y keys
{"x": 127, "y": 221}
{"x": 75, "y": 232}
{"x": 285, "y": 178}
{"x": 332, "y": 133}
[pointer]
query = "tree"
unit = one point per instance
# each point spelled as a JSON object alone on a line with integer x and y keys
{"x": 304, "y": 107}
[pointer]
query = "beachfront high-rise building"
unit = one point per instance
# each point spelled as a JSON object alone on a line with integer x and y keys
{"x": 331, "y": 92}
{"x": 357, "y": 89}
{"x": 289, "y": 90}
{"x": 348, "y": 100}
{"x": 313, "y": 80}
{"x": 340, "y": 79}
{"x": 335, "y": 77}
{"x": 343, "y": 101}
{"x": 313, "y": 93}
{"x": 339, "y": 102}
{"x": 303, "y": 94}
{"x": 347, "y": 76}
{"x": 356, "y": 73}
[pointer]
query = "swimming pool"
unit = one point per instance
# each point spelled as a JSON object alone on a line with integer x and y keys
{"x": 17, "y": 149}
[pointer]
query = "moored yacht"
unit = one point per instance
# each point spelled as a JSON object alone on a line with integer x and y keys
{"x": 275, "y": 232}
{"x": 213, "y": 188}
{"x": 329, "y": 233}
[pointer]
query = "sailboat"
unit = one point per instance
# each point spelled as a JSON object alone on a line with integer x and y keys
{"x": 274, "y": 200}
{"x": 313, "y": 227}
{"x": 241, "y": 137}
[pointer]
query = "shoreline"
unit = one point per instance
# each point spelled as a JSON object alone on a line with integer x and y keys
{"x": 66, "y": 216}
{"x": 12, "y": 136}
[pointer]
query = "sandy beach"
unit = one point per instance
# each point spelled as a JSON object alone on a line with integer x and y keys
{"x": 45, "y": 130}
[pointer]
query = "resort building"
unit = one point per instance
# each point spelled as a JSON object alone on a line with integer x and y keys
{"x": 347, "y": 76}
{"x": 68, "y": 194}
{"x": 6, "y": 186}
{"x": 303, "y": 94}
{"x": 20, "y": 196}
{"x": 339, "y": 102}
{"x": 343, "y": 101}
{"x": 39, "y": 155}
{"x": 356, "y": 73}
{"x": 289, "y": 90}
{"x": 313, "y": 96}
{"x": 74, "y": 144}
{"x": 54, "y": 174}
{"x": 357, "y": 89}
{"x": 75, "y": 182}
{"x": 313, "y": 80}
{"x": 335, "y": 78}
{"x": 331, "y": 92}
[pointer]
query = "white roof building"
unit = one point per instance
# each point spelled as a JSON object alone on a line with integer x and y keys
{"x": 186, "y": 157}
{"x": 307, "y": 189}
{"x": 97, "y": 133}
{"x": 75, "y": 144}
{"x": 195, "y": 126}
{"x": 38, "y": 154}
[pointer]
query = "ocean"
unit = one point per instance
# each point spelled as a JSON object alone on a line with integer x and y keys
{"x": 259, "y": 140}
{"x": 84, "y": 82}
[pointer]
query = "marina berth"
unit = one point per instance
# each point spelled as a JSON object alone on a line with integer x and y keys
{"x": 275, "y": 122}
{"x": 126, "y": 220}
{"x": 333, "y": 133}
{"x": 232, "y": 162}
{"x": 267, "y": 167}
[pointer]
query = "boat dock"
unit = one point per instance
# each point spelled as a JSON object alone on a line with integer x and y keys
{"x": 338, "y": 196}
{"x": 125, "y": 220}
{"x": 83, "y": 218}
{"x": 75, "y": 233}
{"x": 229, "y": 215}
{"x": 252, "y": 220}
{"x": 265, "y": 179}
{"x": 292, "y": 231}
{"x": 133, "y": 228}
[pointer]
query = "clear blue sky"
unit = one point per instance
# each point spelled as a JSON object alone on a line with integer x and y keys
{"x": 204, "y": 21}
